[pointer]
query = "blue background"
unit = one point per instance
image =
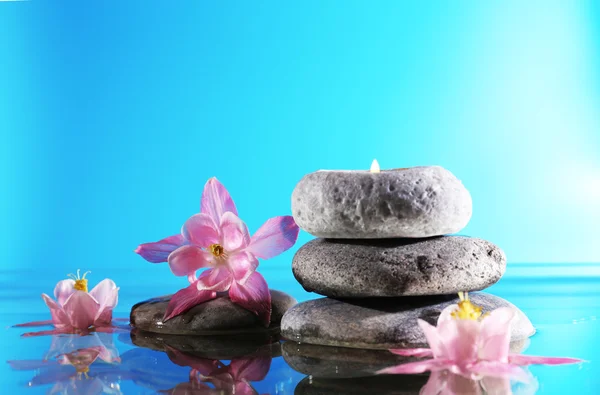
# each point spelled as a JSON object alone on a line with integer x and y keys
{"x": 113, "y": 115}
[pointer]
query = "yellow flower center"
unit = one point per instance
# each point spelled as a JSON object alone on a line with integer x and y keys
{"x": 217, "y": 250}
{"x": 466, "y": 310}
{"x": 81, "y": 283}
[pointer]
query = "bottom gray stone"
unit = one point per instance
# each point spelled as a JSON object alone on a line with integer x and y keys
{"x": 381, "y": 323}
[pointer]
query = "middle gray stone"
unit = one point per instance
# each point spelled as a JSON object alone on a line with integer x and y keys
{"x": 397, "y": 267}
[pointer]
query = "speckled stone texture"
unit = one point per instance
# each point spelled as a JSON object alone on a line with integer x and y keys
{"x": 397, "y": 267}
{"x": 414, "y": 202}
{"x": 218, "y": 316}
{"x": 380, "y": 323}
{"x": 343, "y": 362}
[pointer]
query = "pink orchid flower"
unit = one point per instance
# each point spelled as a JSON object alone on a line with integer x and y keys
{"x": 77, "y": 309}
{"x": 471, "y": 345}
{"x": 216, "y": 239}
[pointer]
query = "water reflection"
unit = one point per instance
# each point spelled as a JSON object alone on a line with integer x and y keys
{"x": 170, "y": 364}
{"x": 438, "y": 383}
{"x": 76, "y": 364}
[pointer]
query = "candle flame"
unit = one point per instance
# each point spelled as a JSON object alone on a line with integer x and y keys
{"x": 375, "y": 166}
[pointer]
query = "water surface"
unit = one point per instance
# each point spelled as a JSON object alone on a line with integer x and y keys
{"x": 562, "y": 301}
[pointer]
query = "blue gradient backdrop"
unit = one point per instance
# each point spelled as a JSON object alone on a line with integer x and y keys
{"x": 114, "y": 114}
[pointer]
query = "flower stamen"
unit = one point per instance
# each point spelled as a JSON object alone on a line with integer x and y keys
{"x": 217, "y": 250}
{"x": 466, "y": 310}
{"x": 80, "y": 281}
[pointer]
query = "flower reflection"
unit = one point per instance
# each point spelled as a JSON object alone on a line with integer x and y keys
{"x": 226, "y": 379}
{"x": 76, "y": 365}
{"x": 447, "y": 383}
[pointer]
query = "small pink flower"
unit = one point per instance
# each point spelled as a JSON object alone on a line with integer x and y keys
{"x": 471, "y": 345}
{"x": 77, "y": 309}
{"x": 216, "y": 239}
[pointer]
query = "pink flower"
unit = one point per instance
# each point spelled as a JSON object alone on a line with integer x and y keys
{"x": 216, "y": 239}
{"x": 77, "y": 309}
{"x": 471, "y": 345}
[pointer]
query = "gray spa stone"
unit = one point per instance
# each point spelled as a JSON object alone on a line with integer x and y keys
{"x": 219, "y": 316}
{"x": 398, "y": 267}
{"x": 380, "y": 323}
{"x": 343, "y": 362}
{"x": 413, "y": 202}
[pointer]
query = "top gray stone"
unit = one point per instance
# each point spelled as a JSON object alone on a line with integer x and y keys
{"x": 414, "y": 202}
{"x": 216, "y": 317}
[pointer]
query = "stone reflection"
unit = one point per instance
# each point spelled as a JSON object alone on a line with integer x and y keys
{"x": 438, "y": 383}
{"x": 342, "y": 362}
{"x": 193, "y": 365}
{"x": 77, "y": 364}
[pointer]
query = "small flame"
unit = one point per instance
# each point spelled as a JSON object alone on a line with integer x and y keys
{"x": 375, "y": 166}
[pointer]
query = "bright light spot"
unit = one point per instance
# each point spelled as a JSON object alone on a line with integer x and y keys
{"x": 375, "y": 166}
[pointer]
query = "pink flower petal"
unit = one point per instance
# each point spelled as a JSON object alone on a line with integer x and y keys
{"x": 201, "y": 230}
{"x": 81, "y": 308}
{"x": 242, "y": 265}
{"x": 254, "y": 369}
{"x": 59, "y": 317}
{"x": 418, "y": 367}
{"x": 499, "y": 369}
{"x": 216, "y": 201}
{"x": 413, "y": 352}
{"x": 217, "y": 280}
{"x": 523, "y": 360}
{"x": 495, "y": 335}
{"x": 185, "y": 299}
{"x": 234, "y": 232}
{"x": 46, "y": 333}
{"x": 496, "y": 385}
{"x": 275, "y": 236}
{"x": 185, "y": 260}
{"x": 460, "y": 339}
{"x": 254, "y": 295}
{"x": 446, "y": 314}
{"x": 106, "y": 293}
{"x": 159, "y": 251}
{"x": 436, "y": 343}
{"x": 63, "y": 290}
{"x": 33, "y": 323}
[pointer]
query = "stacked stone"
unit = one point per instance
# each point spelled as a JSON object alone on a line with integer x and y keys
{"x": 382, "y": 257}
